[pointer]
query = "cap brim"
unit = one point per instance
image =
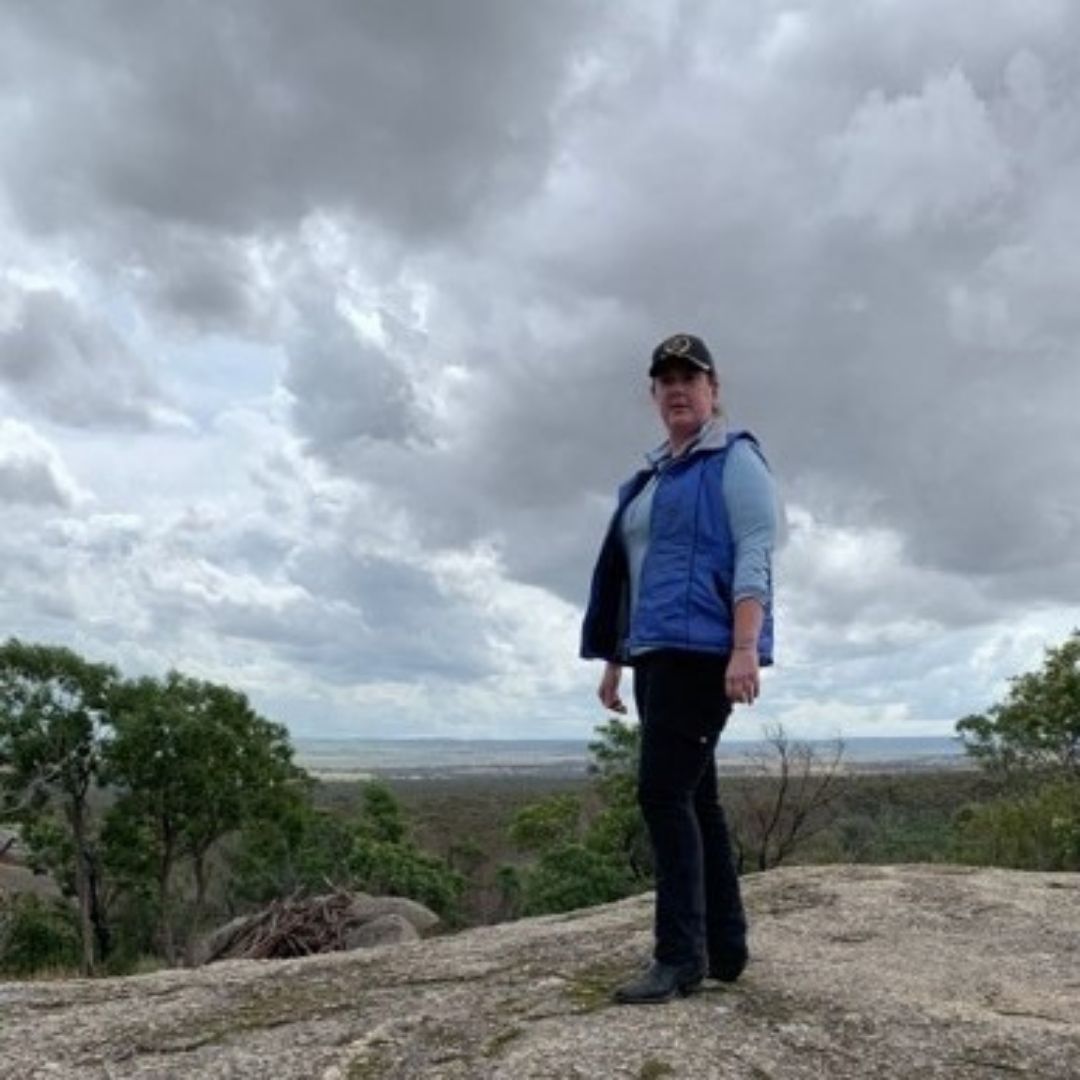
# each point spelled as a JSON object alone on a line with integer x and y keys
{"x": 666, "y": 361}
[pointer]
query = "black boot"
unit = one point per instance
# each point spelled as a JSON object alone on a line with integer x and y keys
{"x": 728, "y": 966}
{"x": 661, "y": 983}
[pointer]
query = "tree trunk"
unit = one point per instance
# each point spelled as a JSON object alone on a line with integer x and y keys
{"x": 199, "y": 867}
{"x": 97, "y": 909}
{"x": 82, "y": 886}
{"x": 165, "y": 868}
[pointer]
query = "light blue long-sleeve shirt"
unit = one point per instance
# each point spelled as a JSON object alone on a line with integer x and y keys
{"x": 750, "y": 498}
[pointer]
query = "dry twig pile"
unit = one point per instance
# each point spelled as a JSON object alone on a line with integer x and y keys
{"x": 291, "y": 927}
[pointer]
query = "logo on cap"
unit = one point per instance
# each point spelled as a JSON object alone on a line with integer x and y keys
{"x": 679, "y": 345}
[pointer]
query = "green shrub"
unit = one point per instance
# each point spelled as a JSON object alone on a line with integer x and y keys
{"x": 37, "y": 935}
{"x": 307, "y": 850}
{"x": 548, "y": 824}
{"x": 382, "y": 817}
{"x": 300, "y": 850}
{"x": 1039, "y": 830}
{"x": 508, "y": 880}
{"x": 572, "y": 876}
{"x": 404, "y": 870}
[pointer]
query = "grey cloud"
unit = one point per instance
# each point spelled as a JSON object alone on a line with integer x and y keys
{"x": 839, "y": 344}
{"x": 413, "y": 114}
{"x": 350, "y": 620}
{"x": 74, "y": 369}
{"x": 413, "y": 120}
{"x": 104, "y": 536}
{"x": 402, "y": 625}
{"x": 32, "y": 478}
{"x": 25, "y": 480}
{"x": 205, "y": 280}
{"x": 255, "y": 549}
{"x": 930, "y": 157}
{"x": 856, "y": 317}
{"x": 345, "y": 388}
{"x": 32, "y": 471}
{"x": 872, "y": 220}
{"x": 35, "y": 600}
{"x": 514, "y": 459}
{"x": 259, "y": 582}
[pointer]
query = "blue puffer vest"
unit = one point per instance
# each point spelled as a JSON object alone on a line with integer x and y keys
{"x": 684, "y": 598}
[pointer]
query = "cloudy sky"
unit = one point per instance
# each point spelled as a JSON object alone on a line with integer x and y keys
{"x": 323, "y": 336}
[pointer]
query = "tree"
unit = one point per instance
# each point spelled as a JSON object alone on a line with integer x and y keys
{"x": 618, "y": 829}
{"x": 1033, "y": 830}
{"x": 147, "y": 764}
{"x": 587, "y": 851}
{"x": 569, "y": 872}
{"x": 1031, "y": 740}
{"x": 382, "y": 818}
{"x": 545, "y": 825}
{"x": 36, "y": 933}
{"x": 1035, "y": 731}
{"x": 302, "y": 849}
{"x": 192, "y": 763}
{"x": 384, "y": 859}
{"x": 788, "y": 802}
{"x": 404, "y": 870}
{"x": 592, "y": 851}
{"x": 296, "y": 849}
{"x": 54, "y": 706}
{"x": 572, "y": 876}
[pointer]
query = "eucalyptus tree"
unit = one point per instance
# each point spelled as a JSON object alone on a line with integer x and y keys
{"x": 55, "y": 712}
{"x": 191, "y": 762}
{"x": 1031, "y": 740}
{"x": 1034, "y": 732}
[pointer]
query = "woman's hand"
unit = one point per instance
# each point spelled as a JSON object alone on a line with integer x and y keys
{"x": 743, "y": 679}
{"x": 608, "y": 691}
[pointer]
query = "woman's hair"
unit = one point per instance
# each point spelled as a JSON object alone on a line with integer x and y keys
{"x": 718, "y": 408}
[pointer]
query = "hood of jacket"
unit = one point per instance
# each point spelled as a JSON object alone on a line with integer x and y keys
{"x": 712, "y": 436}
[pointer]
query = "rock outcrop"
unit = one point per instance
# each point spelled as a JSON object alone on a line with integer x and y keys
{"x": 15, "y": 875}
{"x": 15, "y": 879}
{"x": 918, "y": 971}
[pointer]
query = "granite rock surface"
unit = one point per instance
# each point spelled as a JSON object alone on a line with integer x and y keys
{"x": 913, "y": 971}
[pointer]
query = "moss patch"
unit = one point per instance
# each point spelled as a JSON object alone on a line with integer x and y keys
{"x": 367, "y": 1068}
{"x": 772, "y": 1007}
{"x": 500, "y": 1039}
{"x": 591, "y": 988}
{"x": 274, "y": 1006}
{"x": 654, "y": 1069}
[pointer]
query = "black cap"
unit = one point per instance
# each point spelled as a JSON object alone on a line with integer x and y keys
{"x": 685, "y": 347}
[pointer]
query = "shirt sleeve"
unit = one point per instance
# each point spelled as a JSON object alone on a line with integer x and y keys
{"x": 750, "y": 497}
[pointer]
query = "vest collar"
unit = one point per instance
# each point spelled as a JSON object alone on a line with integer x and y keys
{"x": 712, "y": 436}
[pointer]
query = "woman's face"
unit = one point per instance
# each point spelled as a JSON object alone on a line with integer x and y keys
{"x": 685, "y": 398}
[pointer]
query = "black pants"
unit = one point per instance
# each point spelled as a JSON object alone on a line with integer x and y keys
{"x": 683, "y": 707}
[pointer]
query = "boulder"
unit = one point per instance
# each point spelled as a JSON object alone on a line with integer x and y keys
{"x": 388, "y": 929}
{"x": 21, "y": 879}
{"x": 12, "y": 849}
{"x": 364, "y": 908}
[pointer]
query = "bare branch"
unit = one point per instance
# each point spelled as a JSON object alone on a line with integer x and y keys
{"x": 790, "y": 802}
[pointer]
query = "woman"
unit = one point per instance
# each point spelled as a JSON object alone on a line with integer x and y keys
{"x": 682, "y": 592}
